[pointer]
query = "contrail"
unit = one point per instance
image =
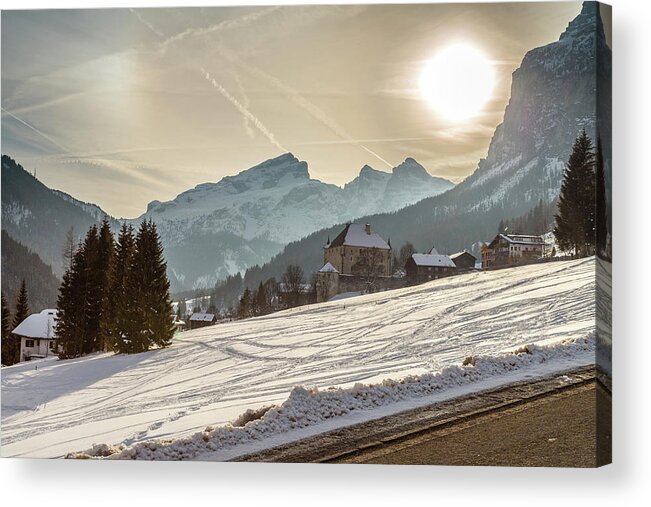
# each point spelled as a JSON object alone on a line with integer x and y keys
{"x": 247, "y": 102}
{"x": 44, "y": 136}
{"x": 224, "y": 25}
{"x": 245, "y": 112}
{"x": 147, "y": 23}
{"x": 298, "y": 99}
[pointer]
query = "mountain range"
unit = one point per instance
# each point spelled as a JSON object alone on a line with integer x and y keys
{"x": 558, "y": 90}
{"x": 276, "y": 209}
{"x": 218, "y": 229}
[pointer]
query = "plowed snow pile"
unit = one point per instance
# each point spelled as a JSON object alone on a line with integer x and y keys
{"x": 176, "y": 403}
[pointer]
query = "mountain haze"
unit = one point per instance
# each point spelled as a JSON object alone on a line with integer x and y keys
{"x": 39, "y": 217}
{"x": 554, "y": 96}
{"x": 219, "y": 229}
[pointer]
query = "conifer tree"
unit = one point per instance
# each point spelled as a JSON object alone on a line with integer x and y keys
{"x": 575, "y": 220}
{"x": 154, "y": 307}
{"x": 10, "y": 344}
{"x": 601, "y": 212}
{"x": 6, "y": 318}
{"x": 116, "y": 326}
{"x": 70, "y": 324}
{"x": 104, "y": 268}
{"x": 92, "y": 291}
{"x": 244, "y": 308}
{"x": 261, "y": 305}
{"x": 22, "y": 305}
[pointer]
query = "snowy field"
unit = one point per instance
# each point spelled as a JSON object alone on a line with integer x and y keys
{"x": 210, "y": 376}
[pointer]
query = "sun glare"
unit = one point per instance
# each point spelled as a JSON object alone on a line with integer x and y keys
{"x": 457, "y": 82}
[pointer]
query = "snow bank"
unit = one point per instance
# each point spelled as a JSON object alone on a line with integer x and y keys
{"x": 309, "y": 406}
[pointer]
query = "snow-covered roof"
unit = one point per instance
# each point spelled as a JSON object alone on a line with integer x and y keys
{"x": 328, "y": 268}
{"x": 434, "y": 260}
{"x": 38, "y": 325}
{"x": 433, "y": 251}
{"x": 345, "y": 295}
{"x": 360, "y": 235}
{"x": 459, "y": 254}
{"x": 524, "y": 239}
{"x": 203, "y": 317}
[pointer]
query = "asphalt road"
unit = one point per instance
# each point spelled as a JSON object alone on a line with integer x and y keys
{"x": 562, "y": 421}
{"x": 558, "y": 430}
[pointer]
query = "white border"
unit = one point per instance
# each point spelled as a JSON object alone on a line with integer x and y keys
{"x": 101, "y": 483}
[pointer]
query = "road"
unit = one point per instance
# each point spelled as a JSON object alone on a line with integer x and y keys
{"x": 550, "y": 422}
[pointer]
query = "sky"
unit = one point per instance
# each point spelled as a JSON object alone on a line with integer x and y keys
{"x": 120, "y": 107}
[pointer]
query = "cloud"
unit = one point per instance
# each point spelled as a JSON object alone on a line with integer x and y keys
{"x": 245, "y": 112}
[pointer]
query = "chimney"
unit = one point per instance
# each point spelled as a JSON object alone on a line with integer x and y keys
{"x": 367, "y": 227}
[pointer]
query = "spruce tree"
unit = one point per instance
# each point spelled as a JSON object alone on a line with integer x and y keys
{"x": 70, "y": 324}
{"x": 153, "y": 308}
{"x": 244, "y": 308}
{"x": 602, "y": 211}
{"x": 261, "y": 306}
{"x": 22, "y": 305}
{"x": 116, "y": 326}
{"x": 10, "y": 343}
{"x": 104, "y": 268}
{"x": 92, "y": 291}
{"x": 575, "y": 220}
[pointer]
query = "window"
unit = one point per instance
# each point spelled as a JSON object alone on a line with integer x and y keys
{"x": 52, "y": 345}
{"x": 29, "y": 343}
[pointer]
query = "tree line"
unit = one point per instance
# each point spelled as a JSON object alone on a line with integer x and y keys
{"x": 115, "y": 293}
{"x": 581, "y": 217}
{"x": 10, "y": 342}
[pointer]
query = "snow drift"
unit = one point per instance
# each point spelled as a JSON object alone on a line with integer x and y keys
{"x": 210, "y": 376}
{"x": 310, "y": 406}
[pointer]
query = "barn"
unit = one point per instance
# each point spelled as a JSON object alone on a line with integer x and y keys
{"x": 422, "y": 268}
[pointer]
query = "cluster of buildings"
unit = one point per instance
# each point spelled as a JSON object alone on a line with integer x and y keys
{"x": 359, "y": 260}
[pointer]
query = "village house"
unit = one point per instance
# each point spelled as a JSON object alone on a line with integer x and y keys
{"x": 357, "y": 249}
{"x": 464, "y": 261}
{"x": 177, "y": 323}
{"x": 37, "y": 335}
{"x": 357, "y": 260}
{"x": 198, "y": 320}
{"x": 422, "y": 268}
{"x": 289, "y": 297}
{"x": 512, "y": 249}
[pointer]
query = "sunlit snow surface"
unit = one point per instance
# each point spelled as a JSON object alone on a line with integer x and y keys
{"x": 211, "y": 375}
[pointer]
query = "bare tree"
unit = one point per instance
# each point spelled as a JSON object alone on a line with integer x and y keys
{"x": 293, "y": 280}
{"x": 406, "y": 251}
{"x": 369, "y": 267}
{"x": 69, "y": 247}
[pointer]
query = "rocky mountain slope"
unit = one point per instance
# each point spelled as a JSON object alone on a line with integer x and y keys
{"x": 554, "y": 96}
{"x": 39, "y": 217}
{"x": 217, "y": 229}
{"x": 18, "y": 264}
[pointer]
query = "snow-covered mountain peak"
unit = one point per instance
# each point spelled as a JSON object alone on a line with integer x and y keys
{"x": 411, "y": 167}
{"x": 367, "y": 170}
{"x": 280, "y": 171}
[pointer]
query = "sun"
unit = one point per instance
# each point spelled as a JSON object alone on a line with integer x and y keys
{"x": 457, "y": 82}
